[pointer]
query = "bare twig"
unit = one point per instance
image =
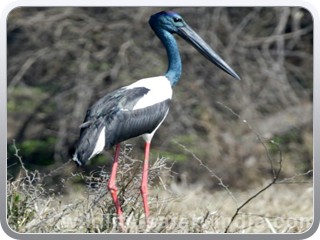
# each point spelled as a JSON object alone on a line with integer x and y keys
{"x": 293, "y": 178}
{"x": 225, "y": 187}
{"x": 25, "y": 67}
{"x": 275, "y": 172}
{"x": 16, "y": 154}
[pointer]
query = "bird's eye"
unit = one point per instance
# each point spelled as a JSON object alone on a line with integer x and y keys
{"x": 177, "y": 19}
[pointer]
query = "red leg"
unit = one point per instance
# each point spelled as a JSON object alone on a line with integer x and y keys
{"x": 113, "y": 188}
{"x": 144, "y": 182}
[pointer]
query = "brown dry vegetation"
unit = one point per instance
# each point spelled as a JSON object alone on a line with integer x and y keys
{"x": 219, "y": 145}
{"x": 175, "y": 208}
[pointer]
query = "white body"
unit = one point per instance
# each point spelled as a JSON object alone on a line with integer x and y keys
{"x": 160, "y": 90}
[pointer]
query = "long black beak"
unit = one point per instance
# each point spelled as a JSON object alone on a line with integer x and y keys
{"x": 197, "y": 42}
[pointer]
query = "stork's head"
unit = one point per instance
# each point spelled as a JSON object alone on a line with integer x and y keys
{"x": 173, "y": 23}
{"x": 168, "y": 21}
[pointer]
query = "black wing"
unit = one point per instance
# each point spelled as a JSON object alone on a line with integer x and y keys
{"x": 111, "y": 103}
{"x": 115, "y": 112}
{"x": 133, "y": 123}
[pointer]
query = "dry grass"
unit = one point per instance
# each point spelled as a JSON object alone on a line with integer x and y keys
{"x": 175, "y": 208}
{"x": 281, "y": 209}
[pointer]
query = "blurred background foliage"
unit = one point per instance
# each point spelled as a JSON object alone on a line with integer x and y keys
{"x": 61, "y": 60}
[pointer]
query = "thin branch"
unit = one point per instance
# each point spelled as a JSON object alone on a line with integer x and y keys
{"x": 293, "y": 178}
{"x": 16, "y": 154}
{"x": 275, "y": 172}
{"x": 25, "y": 67}
{"x": 225, "y": 187}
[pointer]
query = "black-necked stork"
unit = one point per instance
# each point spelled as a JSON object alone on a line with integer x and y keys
{"x": 140, "y": 108}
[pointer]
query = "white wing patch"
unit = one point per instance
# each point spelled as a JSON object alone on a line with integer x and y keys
{"x": 160, "y": 90}
{"x": 100, "y": 143}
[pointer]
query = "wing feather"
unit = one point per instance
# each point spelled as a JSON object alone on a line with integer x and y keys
{"x": 115, "y": 111}
{"x": 133, "y": 123}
